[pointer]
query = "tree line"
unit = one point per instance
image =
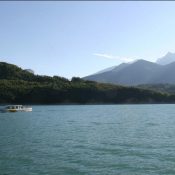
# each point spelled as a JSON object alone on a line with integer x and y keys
{"x": 20, "y": 86}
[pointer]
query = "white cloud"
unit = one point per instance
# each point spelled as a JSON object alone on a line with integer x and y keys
{"x": 104, "y": 55}
{"x": 108, "y": 56}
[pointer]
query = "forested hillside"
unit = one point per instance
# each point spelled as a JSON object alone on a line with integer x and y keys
{"x": 20, "y": 86}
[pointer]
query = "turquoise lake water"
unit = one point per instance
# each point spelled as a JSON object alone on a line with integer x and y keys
{"x": 89, "y": 140}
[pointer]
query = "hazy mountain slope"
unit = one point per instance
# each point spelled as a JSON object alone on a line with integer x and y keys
{"x": 165, "y": 75}
{"x": 105, "y": 70}
{"x": 114, "y": 68}
{"x": 138, "y": 72}
{"x": 120, "y": 67}
{"x": 106, "y": 75}
{"x": 167, "y": 59}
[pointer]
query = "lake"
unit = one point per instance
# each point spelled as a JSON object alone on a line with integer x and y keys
{"x": 89, "y": 140}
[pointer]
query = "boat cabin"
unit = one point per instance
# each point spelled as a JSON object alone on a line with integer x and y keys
{"x": 17, "y": 107}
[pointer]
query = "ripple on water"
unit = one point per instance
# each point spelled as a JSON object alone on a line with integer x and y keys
{"x": 89, "y": 140}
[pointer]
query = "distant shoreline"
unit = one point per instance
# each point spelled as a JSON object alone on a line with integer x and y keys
{"x": 77, "y": 104}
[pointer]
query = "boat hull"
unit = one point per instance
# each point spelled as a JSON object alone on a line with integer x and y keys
{"x": 20, "y": 110}
{"x": 12, "y": 110}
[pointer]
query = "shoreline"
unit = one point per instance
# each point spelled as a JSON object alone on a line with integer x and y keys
{"x": 84, "y": 104}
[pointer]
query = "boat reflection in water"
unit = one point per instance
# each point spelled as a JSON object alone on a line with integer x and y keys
{"x": 17, "y": 108}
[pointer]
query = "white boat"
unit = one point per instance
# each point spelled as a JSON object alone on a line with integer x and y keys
{"x": 17, "y": 108}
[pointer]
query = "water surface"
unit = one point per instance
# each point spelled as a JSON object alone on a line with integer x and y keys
{"x": 89, "y": 140}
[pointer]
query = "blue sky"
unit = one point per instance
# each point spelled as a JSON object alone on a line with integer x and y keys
{"x": 80, "y": 38}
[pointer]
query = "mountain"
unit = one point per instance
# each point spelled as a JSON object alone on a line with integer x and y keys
{"x": 167, "y": 59}
{"x": 114, "y": 68}
{"x": 139, "y": 72}
{"x": 106, "y": 76}
{"x": 20, "y": 86}
{"x": 105, "y": 70}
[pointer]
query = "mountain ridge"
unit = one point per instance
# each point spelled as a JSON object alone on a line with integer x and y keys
{"x": 138, "y": 72}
